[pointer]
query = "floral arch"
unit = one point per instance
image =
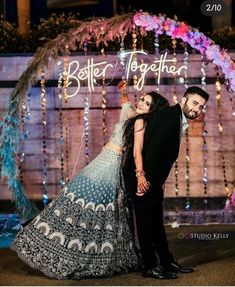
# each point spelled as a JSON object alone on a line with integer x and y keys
{"x": 97, "y": 31}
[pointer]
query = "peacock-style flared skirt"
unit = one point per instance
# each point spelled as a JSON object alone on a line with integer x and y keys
{"x": 84, "y": 232}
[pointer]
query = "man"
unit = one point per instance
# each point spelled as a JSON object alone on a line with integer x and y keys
{"x": 160, "y": 150}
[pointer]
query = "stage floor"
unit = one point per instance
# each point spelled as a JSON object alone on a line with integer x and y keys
{"x": 210, "y": 249}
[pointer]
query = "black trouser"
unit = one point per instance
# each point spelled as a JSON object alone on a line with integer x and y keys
{"x": 150, "y": 228}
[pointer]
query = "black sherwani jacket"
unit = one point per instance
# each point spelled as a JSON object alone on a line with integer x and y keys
{"x": 160, "y": 150}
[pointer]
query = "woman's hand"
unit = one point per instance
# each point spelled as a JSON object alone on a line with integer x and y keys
{"x": 143, "y": 185}
{"x": 122, "y": 86}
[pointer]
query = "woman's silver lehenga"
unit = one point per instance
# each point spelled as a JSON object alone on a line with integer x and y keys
{"x": 84, "y": 231}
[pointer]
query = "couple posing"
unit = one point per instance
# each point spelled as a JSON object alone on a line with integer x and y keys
{"x": 85, "y": 231}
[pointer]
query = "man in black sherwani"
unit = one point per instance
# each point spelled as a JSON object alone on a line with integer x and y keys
{"x": 160, "y": 150}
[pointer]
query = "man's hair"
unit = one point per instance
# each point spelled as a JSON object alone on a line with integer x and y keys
{"x": 197, "y": 90}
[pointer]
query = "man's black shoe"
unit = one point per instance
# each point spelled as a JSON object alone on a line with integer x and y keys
{"x": 175, "y": 267}
{"x": 158, "y": 273}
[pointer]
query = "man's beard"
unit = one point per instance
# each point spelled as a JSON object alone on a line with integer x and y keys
{"x": 187, "y": 112}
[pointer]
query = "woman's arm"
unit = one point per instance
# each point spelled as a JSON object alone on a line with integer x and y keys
{"x": 130, "y": 110}
{"x": 143, "y": 184}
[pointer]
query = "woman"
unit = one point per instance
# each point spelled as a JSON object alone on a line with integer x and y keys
{"x": 133, "y": 137}
{"x": 84, "y": 231}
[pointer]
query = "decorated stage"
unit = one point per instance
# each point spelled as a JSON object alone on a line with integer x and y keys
{"x": 63, "y": 103}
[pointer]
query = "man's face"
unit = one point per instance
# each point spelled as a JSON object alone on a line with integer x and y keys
{"x": 193, "y": 106}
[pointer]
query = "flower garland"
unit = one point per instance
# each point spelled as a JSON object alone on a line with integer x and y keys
{"x": 197, "y": 40}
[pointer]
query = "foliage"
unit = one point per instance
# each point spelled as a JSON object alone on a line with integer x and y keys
{"x": 10, "y": 38}
{"x": 11, "y": 41}
{"x": 48, "y": 30}
{"x": 224, "y": 37}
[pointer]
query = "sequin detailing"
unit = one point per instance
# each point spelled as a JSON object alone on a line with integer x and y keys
{"x": 84, "y": 231}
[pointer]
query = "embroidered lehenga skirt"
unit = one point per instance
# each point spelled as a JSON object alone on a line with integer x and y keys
{"x": 84, "y": 232}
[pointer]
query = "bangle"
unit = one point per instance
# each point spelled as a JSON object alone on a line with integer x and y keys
{"x": 139, "y": 172}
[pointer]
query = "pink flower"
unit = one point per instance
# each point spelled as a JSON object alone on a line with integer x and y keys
{"x": 181, "y": 30}
{"x": 231, "y": 75}
{"x": 212, "y": 51}
{"x": 171, "y": 28}
{"x": 230, "y": 202}
{"x": 166, "y": 25}
{"x": 137, "y": 19}
{"x": 232, "y": 85}
{"x": 233, "y": 199}
{"x": 191, "y": 36}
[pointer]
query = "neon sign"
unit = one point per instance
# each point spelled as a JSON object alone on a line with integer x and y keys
{"x": 93, "y": 71}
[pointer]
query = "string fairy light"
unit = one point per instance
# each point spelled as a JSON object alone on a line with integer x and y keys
{"x": 186, "y": 60}
{"x": 204, "y": 135}
{"x": 231, "y": 96}
{"x": 86, "y": 114}
{"x": 61, "y": 139}
{"x": 44, "y": 130}
{"x": 65, "y": 102}
{"x": 157, "y": 50}
{"x": 25, "y": 117}
{"x": 104, "y": 103}
{"x": 174, "y": 44}
{"x": 175, "y": 100}
{"x": 86, "y": 127}
{"x": 122, "y": 56}
{"x": 142, "y": 63}
{"x": 232, "y": 103}
{"x": 156, "y": 44}
{"x": 220, "y": 129}
{"x": 134, "y": 48}
{"x": 187, "y": 151}
{"x": 187, "y": 171}
{"x": 28, "y": 115}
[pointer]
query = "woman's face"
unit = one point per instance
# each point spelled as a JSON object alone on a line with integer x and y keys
{"x": 144, "y": 104}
